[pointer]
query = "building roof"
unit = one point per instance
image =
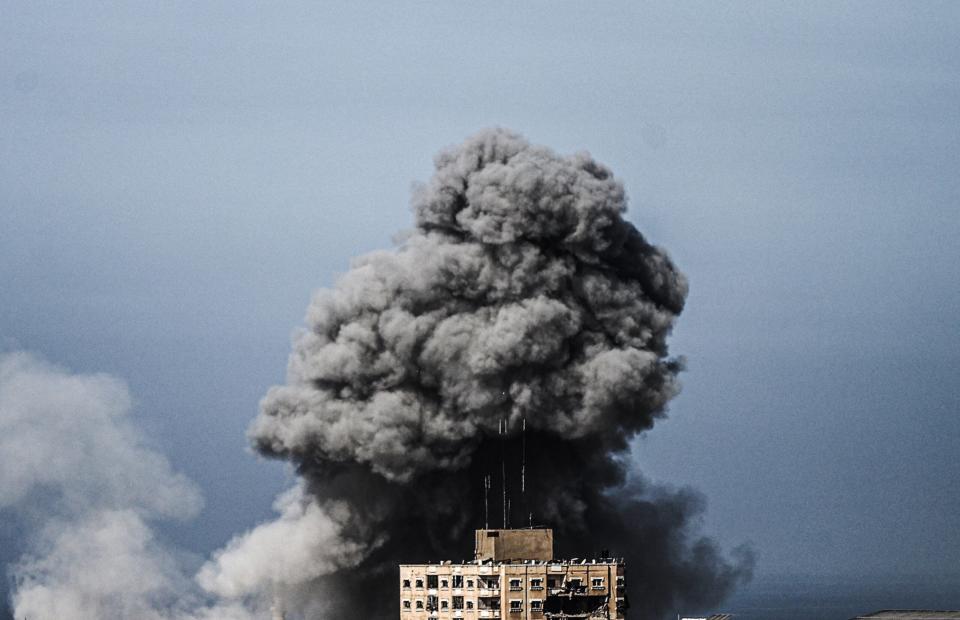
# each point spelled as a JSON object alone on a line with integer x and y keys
{"x": 910, "y": 614}
{"x": 555, "y": 562}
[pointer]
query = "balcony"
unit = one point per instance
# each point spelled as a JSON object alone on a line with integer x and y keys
{"x": 489, "y": 613}
{"x": 489, "y": 592}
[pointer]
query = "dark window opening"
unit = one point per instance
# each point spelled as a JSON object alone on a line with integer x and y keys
{"x": 574, "y": 605}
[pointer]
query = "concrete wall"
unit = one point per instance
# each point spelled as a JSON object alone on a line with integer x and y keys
{"x": 504, "y": 545}
{"x": 530, "y": 585}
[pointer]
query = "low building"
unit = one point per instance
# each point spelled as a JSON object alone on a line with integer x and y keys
{"x": 910, "y": 614}
{"x": 513, "y": 576}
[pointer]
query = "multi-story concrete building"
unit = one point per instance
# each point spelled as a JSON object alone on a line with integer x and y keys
{"x": 513, "y": 576}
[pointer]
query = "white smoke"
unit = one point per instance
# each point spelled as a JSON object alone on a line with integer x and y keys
{"x": 68, "y": 435}
{"x": 304, "y": 543}
{"x": 78, "y": 478}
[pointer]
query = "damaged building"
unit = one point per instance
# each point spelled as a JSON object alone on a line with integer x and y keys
{"x": 514, "y": 576}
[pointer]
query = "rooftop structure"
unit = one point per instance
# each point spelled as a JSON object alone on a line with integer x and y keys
{"x": 910, "y": 614}
{"x": 513, "y": 576}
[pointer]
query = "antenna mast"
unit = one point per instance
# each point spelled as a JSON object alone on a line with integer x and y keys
{"x": 503, "y": 467}
{"x": 523, "y": 468}
{"x": 486, "y": 502}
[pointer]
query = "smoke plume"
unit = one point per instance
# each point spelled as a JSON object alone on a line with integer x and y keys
{"x": 524, "y": 296}
{"x": 84, "y": 492}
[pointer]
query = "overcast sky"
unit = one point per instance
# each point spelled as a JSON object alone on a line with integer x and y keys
{"x": 176, "y": 179}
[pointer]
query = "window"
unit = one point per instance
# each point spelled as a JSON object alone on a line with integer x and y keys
{"x": 458, "y": 581}
{"x": 431, "y": 602}
{"x": 551, "y": 583}
{"x": 444, "y": 604}
{"x": 406, "y": 604}
{"x": 458, "y": 602}
{"x": 597, "y": 583}
{"x": 536, "y": 584}
{"x": 419, "y": 583}
{"x": 515, "y": 584}
{"x": 431, "y": 581}
{"x": 406, "y": 583}
{"x": 469, "y": 604}
{"x": 444, "y": 583}
{"x": 469, "y": 583}
{"x": 536, "y": 605}
{"x": 620, "y": 581}
{"x": 516, "y": 605}
{"x": 419, "y": 604}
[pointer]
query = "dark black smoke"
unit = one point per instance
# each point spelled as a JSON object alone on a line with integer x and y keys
{"x": 523, "y": 294}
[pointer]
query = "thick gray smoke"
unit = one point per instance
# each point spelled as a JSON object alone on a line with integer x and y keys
{"x": 522, "y": 294}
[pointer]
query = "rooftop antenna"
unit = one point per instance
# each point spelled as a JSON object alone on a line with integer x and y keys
{"x": 523, "y": 468}
{"x": 486, "y": 502}
{"x": 503, "y": 467}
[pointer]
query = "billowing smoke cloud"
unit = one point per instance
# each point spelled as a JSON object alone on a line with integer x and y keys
{"x": 522, "y": 294}
{"x": 304, "y": 543}
{"x": 78, "y": 479}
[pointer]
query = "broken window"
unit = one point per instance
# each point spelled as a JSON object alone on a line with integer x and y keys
{"x": 419, "y": 604}
{"x": 419, "y": 583}
{"x": 443, "y": 604}
{"x": 583, "y": 606}
{"x": 458, "y": 602}
{"x": 458, "y": 581}
{"x": 431, "y": 581}
{"x": 443, "y": 583}
{"x": 406, "y": 604}
{"x": 469, "y": 583}
{"x": 431, "y": 602}
{"x": 469, "y": 604}
{"x": 490, "y": 603}
{"x": 551, "y": 583}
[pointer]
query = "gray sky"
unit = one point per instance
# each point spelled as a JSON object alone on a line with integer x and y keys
{"x": 176, "y": 179}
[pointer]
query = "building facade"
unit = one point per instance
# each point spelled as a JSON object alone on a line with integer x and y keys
{"x": 513, "y": 576}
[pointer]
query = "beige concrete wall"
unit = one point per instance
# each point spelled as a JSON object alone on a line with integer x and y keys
{"x": 503, "y": 545}
{"x": 521, "y": 582}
